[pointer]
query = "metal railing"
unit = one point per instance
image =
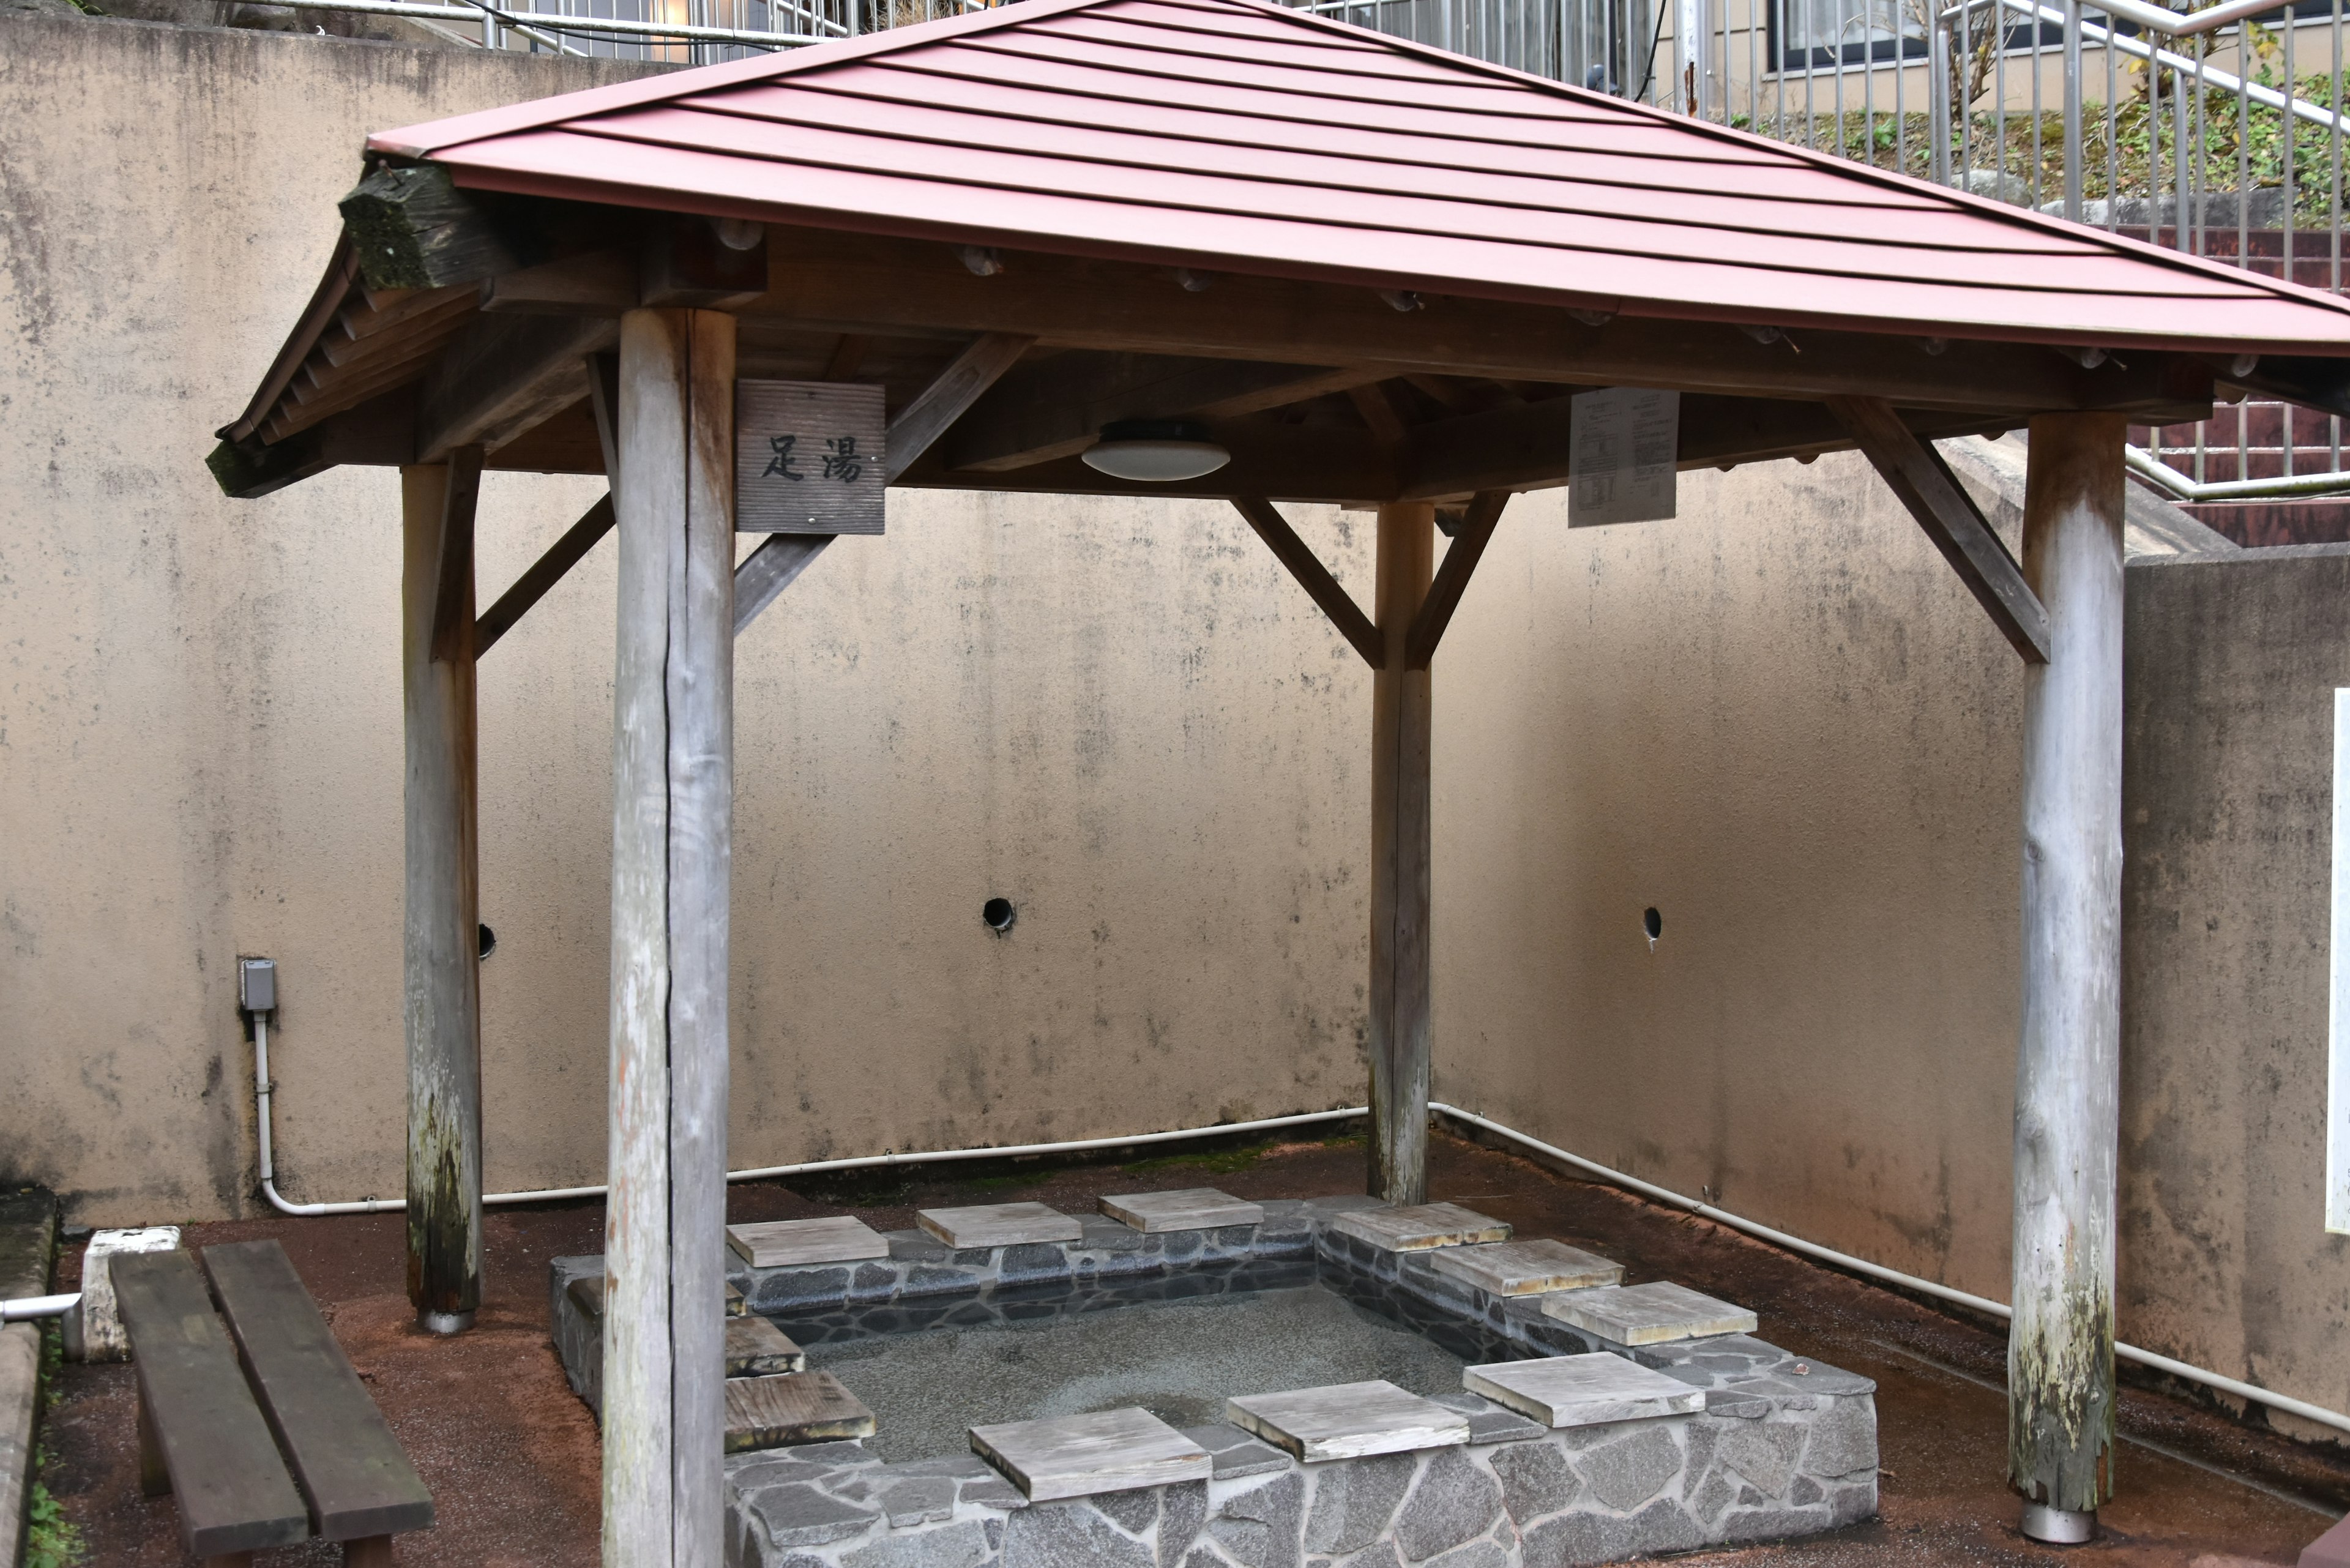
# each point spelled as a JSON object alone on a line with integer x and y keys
{"x": 2211, "y": 131}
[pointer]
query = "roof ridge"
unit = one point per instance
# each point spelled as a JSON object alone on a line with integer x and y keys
{"x": 1966, "y": 201}
{"x": 430, "y": 136}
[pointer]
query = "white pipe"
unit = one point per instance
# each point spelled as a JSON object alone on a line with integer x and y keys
{"x": 2130, "y": 1353}
{"x": 25, "y": 1309}
{"x": 2159, "y": 472}
{"x": 761, "y": 1173}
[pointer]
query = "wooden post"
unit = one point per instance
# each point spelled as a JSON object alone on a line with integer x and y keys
{"x": 442, "y": 928}
{"x": 1399, "y": 862}
{"x": 673, "y": 811}
{"x": 2060, "y": 1352}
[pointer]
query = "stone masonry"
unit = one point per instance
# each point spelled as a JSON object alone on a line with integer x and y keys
{"x": 1783, "y": 1446}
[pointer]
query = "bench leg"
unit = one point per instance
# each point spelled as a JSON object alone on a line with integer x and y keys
{"x": 375, "y": 1552}
{"x": 153, "y": 1479}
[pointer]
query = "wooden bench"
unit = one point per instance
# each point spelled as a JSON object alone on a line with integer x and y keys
{"x": 294, "y": 1384}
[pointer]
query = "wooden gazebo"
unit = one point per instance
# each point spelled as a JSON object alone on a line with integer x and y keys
{"x": 955, "y": 256}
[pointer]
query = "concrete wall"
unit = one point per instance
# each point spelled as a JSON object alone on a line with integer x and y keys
{"x": 2227, "y": 836}
{"x": 1777, "y": 720}
{"x": 1780, "y": 721}
{"x": 1121, "y": 717}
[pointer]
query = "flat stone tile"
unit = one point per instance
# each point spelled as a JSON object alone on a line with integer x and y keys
{"x": 793, "y": 1407}
{"x": 1582, "y": 1390}
{"x": 1417, "y": 1227}
{"x": 1527, "y": 1268}
{"x": 1647, "y": 1314}
{"x": 1079, "y": 1456}
{"x": 757, "y": 1348}
{"x": 1347, "y": 1421}
{"x": 998, "y": 1225}
{"x": 780, "y": 1244}
{"x": 1235, "y": 1454}
{"x": 1187, "y": 1208}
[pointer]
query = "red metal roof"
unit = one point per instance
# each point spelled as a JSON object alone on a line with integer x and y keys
{"x": 1239, "y": 136}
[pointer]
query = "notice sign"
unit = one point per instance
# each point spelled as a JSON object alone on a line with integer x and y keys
{"x": 1620, "y": 447}
{"x": 807, "y": 457}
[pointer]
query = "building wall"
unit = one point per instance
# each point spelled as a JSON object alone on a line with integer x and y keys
{"x": 1121, "y": 717}
{"x": 1777, "y": 720}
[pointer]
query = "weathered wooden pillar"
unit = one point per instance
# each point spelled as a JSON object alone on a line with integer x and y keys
{"x": 1400, "y": 863}
{"x": 442, "y": 928}
{"x": 672, "y": 824}
{"x": 2060, "y": 1351}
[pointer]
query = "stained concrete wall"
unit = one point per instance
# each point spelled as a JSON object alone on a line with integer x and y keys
{"x": 1777, "y": 720}
{"x": 1121, "y": 717}
{"x": 2228, "y": 840}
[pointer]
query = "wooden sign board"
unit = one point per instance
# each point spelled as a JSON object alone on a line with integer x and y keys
{"x": 808, "y": 457}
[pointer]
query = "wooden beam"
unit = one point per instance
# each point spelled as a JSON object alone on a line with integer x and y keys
{"x": 452, "y": 613}
{"x": 441, "y": 931}
{"x": 1380, "y": 416}
{"x": 771, "y": 568}
{"x": 847, "y": 355}
{"x": 1279, "y": 462}
{"x": 543, "y": 575}
{"x": 1916, "y": 472}
{"x": 915, "y": 427}
{"x": 411, "y": 227}
{"x": 593, "y": 282}
{"x": 1453, "y": 578}
{"x": 1314, "y": 576}
{"x": 376, "y": 434}
{"x": 672, "y": 796}
{"x": 2060, "y": 1346}
{"x": 1398, "y": 1043}
{"x": 1056, "y": 408}
{"x": 502, "y": 375}
{"x": 855, "y": 283}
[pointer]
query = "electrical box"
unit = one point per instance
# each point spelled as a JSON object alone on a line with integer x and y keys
{"x": 256, "y": 984}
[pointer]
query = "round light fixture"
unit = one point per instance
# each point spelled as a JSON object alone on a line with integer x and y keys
{"x": 1156, "y": 451}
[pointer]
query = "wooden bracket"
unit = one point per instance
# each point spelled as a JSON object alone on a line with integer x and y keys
{"x": 768, "y": 570}
{"x": 1933, "y": 494}
{"x": 1314, "y": 577}
{"x": 454, "y": 580}
{"x": 1453, "y": 578}
{"x": 543, "y": 575}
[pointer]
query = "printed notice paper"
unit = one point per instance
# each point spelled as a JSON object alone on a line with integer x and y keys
{"x": 1621, "y": 442}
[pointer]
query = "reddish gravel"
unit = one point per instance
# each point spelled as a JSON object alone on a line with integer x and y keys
{"x": 511, "y": 1456}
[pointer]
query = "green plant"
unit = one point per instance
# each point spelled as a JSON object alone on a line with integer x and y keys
{"x": 51, "y": 1540}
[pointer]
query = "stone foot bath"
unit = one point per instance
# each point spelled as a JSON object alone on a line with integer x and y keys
{"x": 1187, "y": 1380}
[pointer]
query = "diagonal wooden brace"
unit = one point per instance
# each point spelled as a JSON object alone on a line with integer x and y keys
{"x": 1453, "y": 578}
{"x": 1934, "y": 496}
{"x": 1314, "y": 577}
{"x": 768, "y": 570}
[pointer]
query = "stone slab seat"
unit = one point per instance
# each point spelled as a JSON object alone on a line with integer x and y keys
{"x": 1185, "y": 1209}
{"x": 201, "y": 1437}
{"x": 1417, "y": 1227}
{"x": 998, "y": 1225}
{"x": 1081, "y": 1456}
{"x": 1347, "y": 1421}
{"x": 794, "y": 1407}
{"x": 1655, "y": 1314}
{"x": 361, "y": 1489}
{"x": 782, "y": 1243}
{"x": 1590, "y": 1390}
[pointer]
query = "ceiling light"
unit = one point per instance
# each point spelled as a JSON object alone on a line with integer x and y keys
{"x": 1156, "y": 451}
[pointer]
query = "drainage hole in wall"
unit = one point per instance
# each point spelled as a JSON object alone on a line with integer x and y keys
{"x": 999, "y": 914}
{"x": 1653, "y": 923}
{"x": 489, "y": 941}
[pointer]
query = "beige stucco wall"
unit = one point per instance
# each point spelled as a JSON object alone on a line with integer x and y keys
{"x": 1777, "y": 720}
{"x": 1121, "y": 717}
{"x": 1780, "y": 721}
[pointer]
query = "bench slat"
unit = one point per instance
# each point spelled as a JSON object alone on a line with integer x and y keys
{"x": 359, "y": 1481}
{"x": 232, "y": 1489}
